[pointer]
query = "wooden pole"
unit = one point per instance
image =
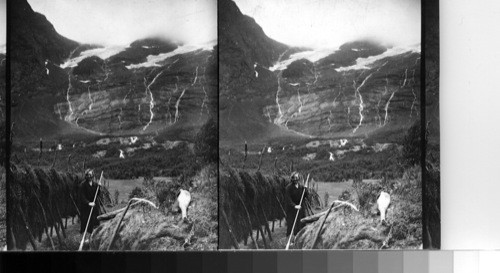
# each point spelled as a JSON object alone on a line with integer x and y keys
{"x": 249, "y": 221}
{"x": 54, "y": 226}
{"x": 30, "y": 235}
{"x": 111, "y": 214}
{"x": 69, "y": 159}
{"x": 74, "y": 204}
{"x": 233, "y": 238}
{"x": 259, "y": 226}
{"x": 324, "y": 220}
{"x": 46, "y": 228}
{"x": 297, "y": 215}
{"x": 260, "y": 158}
{"x": 55, "y": 159}
{"x": 60, "y": 222}
{"x": 266, "y": 224}
{"x": 90, "y": 215}
{"x": 123, "y": 216}
{"x": 41, "y": 149}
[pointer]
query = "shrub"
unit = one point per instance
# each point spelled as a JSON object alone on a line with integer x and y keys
{"x": 137, "y": 192}
{"x": 207, "y": 142}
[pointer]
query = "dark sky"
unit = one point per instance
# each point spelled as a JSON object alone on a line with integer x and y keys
{"x": 119, "y": 22}
{"x": 330, "y": 23}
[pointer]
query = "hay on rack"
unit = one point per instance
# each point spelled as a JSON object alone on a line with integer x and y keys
{"x": 263, "y": 197}
{"x": 143, "y": 228}
{"x": 45, "y": 196}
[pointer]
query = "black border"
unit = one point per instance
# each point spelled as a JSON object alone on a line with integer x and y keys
{"x": 8, "y": 133}
{"x": 423, "y": 147}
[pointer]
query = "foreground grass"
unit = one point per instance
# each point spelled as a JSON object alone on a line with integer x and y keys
{"x": 348, "y": 229}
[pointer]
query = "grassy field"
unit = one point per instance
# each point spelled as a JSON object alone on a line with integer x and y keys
{"x": 333, "y": 189}
{"x": 125, "y": 186}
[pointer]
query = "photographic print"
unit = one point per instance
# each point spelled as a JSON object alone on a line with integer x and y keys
{"x": 321, "y": 125}
{"x": 114, "y": 125}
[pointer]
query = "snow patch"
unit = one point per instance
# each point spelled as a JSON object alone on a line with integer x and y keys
{"x": 365, "y": 63}
{"x": 153, "y": 60}
{"x": 312, "y": 55}
{"x": 103, "y": 53}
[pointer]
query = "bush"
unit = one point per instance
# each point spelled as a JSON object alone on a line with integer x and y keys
{"x": 366, "y": 193}
{"x": 207, "y": 142}
{"x": 166, "y": 192}
{"x": 137, "y": 192}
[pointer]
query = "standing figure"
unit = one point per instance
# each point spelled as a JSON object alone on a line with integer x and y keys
{"x": 294, "y": 192}
{"x": 86, "y": 192}
{"x": 246, "y": 150}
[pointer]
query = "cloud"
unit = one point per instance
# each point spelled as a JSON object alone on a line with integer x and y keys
{"x": 119, "y": 22}
{"x": 330, "y": 23}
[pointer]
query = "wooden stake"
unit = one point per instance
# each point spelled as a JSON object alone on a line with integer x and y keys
{"x": 233, "y": 238}
{"x": 46, "y": 223}
{"x": 30, "y": 235}
{"x": 266, "y": 224}
{"x": 328, "y": 213}
{"x": 281, "y": 206}
{"x": 249, "y": 221}
{"x": 123, "y": 216}
{"x": 60, "y": 222}
{"x": 259, "y": 227}
{"x": 74, "y": 204}
{"x": 55, "y": 159}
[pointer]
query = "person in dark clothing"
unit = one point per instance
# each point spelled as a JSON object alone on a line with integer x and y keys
{"x": 86, "y": 192}
{"x": 246, "y": 151}
{"x": 294, "y": 192}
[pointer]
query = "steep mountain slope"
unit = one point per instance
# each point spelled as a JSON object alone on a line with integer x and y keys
{"x": 152, "y": 86}
{"x": 325, "y": 99}
{"x": 244, "y": 45}
{"x": 270, "y": 90}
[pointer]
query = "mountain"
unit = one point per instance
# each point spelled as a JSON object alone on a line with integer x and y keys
{"x": 245, "y": 47}
{"x": 270, "y": 90}
{"x": 151, "y": 87}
